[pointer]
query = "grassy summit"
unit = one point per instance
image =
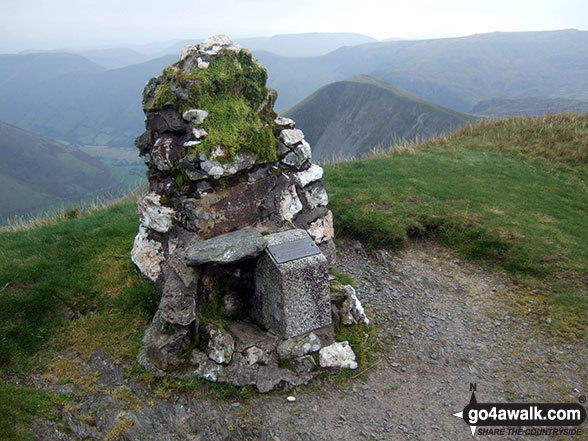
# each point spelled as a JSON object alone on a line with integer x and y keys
{"x": 231, "y": 89}
{"x": 511, "y": 195}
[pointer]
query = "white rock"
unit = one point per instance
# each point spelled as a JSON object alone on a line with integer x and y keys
{"x": 147, "y": 254}
{"x": 255, "y": 355}
{"x": 298, "y": 346}
{"x": 292, "y": 159}
{"x": 291, "y": 136}
{"x": 299, "y": 155}
{"x": 339, "y": 355}
{"x": 187, "y": 50}
{"x": 284, "y": 122}
{"x": 290, "y": 204}
{"x": 314, "y": 173}
{"x": 216, "y": 153}
{"x": 205, "y": 367}
{"x": 352, "y": 311}
{"x": 321, "y": 230}
{"x": 303, "y": 150}
{"x": 316, "y": 196}
{"x": 215, "y": 169}
{"x": 221, "y": 345}
{"x": 160, "y": 155}
{"x": 191, "y": 143}
{"x": 202, "y": 64}
{"x": 195, "y": 116}
{"x": 153, "y": 215}
{"x": 199, "y": 133}
{"x": 218, "y": 43}
{"x": 291, "y": 399}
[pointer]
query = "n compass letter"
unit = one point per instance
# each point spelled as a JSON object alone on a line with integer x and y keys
{"x": 460, "y": 414}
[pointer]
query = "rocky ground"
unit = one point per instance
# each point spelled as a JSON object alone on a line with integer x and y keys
{"x": 443, "y": 324}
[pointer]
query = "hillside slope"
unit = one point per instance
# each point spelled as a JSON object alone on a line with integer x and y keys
{"x": 26, "y": 70}
{"x": 89, "y": 107}
{"x": 452, "y": 72}
{"x": 37, "y": 172}
{"x": 349, "y": 118}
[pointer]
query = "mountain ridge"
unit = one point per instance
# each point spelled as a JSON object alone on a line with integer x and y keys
{"x": 349, "y": 118}
{"x": 94, "y": 106}
{"x": 452, "y": 72}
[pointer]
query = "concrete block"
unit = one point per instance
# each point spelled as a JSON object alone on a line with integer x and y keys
{"x": 291, "y": 298}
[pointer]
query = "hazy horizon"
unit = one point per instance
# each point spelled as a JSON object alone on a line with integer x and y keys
{"x": 89, "y": 24}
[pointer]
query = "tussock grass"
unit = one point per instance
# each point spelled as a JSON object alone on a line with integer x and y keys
{"x": 559, "y": 138}
{"x": 511, "y": 194}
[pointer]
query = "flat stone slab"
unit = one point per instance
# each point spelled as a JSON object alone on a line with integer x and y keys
{"x": 227, "y": 248}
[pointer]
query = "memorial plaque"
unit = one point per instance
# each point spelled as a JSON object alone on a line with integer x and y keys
{"x": 294, "y": 250}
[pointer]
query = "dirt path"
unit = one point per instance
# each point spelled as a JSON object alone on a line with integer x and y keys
{"x": 446, "y": 325}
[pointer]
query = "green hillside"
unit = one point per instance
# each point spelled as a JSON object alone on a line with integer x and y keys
{"x": 37, "y": 173}
{"x": 511, "y": 195}
{"x": 350, "y": 118}
{"x": 452, "y": 72}
{"x": 528, "y": 106}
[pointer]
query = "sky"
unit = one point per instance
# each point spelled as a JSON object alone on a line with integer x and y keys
{"x": 82, "y": 24}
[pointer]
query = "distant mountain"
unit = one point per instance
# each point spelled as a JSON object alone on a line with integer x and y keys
{"x": 115, "y": 58}
{"x": 37, "y": 173}
{"x": 452, "y": 72}
{"x": 68, "y": 97}
{"x": 26, "y": 70}
{"x": 528, "y": 106}
{"x": 292, "y": 45}
{"x": 93, "y": 107}
{"x": 349, "y": 118}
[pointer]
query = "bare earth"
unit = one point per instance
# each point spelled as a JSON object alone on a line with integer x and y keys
{"x": 444, "y": 323}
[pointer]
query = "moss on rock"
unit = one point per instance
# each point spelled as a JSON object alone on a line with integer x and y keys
{"x": 232, "y": 89}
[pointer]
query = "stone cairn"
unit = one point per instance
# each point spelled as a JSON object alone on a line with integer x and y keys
{"x": 235, "y": 231}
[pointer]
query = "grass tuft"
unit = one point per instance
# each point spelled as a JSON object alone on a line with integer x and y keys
{"x": 19, "y": 407}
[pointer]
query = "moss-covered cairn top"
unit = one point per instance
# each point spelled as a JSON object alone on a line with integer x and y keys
{"x": 220, "y": 89}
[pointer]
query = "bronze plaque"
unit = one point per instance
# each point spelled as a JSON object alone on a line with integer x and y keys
{"x": 294, "y": 250}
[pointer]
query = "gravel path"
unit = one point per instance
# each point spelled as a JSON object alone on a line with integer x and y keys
{"x": 448, "y": 326}
{"x": 445, "y": 324}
